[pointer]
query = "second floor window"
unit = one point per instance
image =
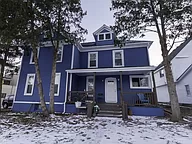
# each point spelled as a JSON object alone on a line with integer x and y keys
{"x": 188, "y": 91}
{"x": 161, "y": 73}
{"x": 60, "y": 54}
{"x": 32, "y": 57}
{"x": 93, "y": 60}
{"x": 118, "y": 58}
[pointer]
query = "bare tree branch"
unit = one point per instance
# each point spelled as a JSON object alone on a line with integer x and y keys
{"x": 173, "y": 42}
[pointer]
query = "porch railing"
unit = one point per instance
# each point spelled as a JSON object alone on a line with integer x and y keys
{"x": 139, "y": 98}
{"x": 81, "y": 96}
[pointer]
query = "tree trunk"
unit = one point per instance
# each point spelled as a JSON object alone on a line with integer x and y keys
{"x": 39, "y": 82}
{"x": 176, "y": 114}
{"x": 1, "y": 76}
{"x": 52, "y": 84}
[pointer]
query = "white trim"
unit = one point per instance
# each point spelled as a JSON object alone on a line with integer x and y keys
{"x": 66, "y": 90}
{"x": 156, "y": 71}
{"x": 89, "y": 59}
{"x": 149, "y": 68}
{"x": 58, "y": 90}
{"x": 87, "y": 78}
{"x": 102, "y": 28}
{"x": 122, "y": 54}
{"x": 139, "y": 76}
{"x": 28, "y": 102}
{"x": 25, "y": 90}
{"x": 61, "y": 54}
{"x": 104, "y": 37}
{"x": 72, "y": 57}
{"x": 151, "y": 81}
{"x": 70, "y": 81}
{"x": 31, "y": 58}
{"x": 18, "y": 79}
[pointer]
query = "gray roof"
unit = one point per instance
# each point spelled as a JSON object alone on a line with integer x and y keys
{"x": 175, "y": 51}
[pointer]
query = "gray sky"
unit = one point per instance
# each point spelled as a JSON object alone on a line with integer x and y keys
{"x": 98, "y": 13}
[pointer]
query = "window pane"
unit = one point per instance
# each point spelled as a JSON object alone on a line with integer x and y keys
{"x": 161, "y": 73}
{"x": 107, "y": 36}
{"x": 118, "y": 55}
{"x": 92, "y": 63}
{"x": 92, "y": 56}
{"x": 30, "y": 80}
{"x": 101, "y": 37}
{"x": 29, "y": 88}
{"x": 56, "y": 89}
{"x": 144, "y": 82}
{"x": 135, "y": 82}
{"x": 118, "y": 62}
{"x": 90, "y": 84}
{"x": 6, "y": 82}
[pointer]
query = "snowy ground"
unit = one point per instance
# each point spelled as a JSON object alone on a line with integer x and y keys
{"x": 31, "y": 129}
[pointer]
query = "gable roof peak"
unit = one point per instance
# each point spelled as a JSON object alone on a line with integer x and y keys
{"x": 103, "y": 27}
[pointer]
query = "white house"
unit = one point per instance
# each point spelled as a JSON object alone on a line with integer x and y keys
{"x": 181, "y": 64}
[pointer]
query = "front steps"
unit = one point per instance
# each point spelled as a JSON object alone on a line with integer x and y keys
{"x": 110, "y": 110}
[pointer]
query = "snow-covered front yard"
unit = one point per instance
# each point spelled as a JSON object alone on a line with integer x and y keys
{"x": 31, "y": 129}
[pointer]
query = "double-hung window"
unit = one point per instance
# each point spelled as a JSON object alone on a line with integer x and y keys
{"x": 90, "y": 85}
{"x": 32, "y": 57}
{"x": 188, "y": 91}
{"x": 139, "y": 82}
{"x": 118, "y": 58}
{"x": 92, "y": 59}
{"x": 29, "y": 85}
{"x": 60, "y": 54}
{"x": 57, "y": 84}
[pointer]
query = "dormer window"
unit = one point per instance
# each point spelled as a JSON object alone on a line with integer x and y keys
{"x": 104, "y": 36}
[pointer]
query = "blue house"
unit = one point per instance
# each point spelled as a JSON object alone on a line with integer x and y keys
{"x": 94, "y": 71}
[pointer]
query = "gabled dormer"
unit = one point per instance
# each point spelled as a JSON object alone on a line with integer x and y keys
{"x": 104, "y": 36}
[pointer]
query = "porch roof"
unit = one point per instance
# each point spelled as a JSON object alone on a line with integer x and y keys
{"x": 112, "y": 70}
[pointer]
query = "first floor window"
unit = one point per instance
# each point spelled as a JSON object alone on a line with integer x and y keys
{"x": 139, "y": 82}
{"x": 188, "y": 91}
{"x": 59, "y": 54}
{"x": 90, "y": 84}
{"x": 118, "y": 58}
{"x": 29, "y": 84}
{"x": 57, "y": 83}
{"x": 93, "y": 60}
{"x": 161, "y": 73}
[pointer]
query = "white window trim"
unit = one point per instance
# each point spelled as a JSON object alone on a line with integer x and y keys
{"x": 25, "y": 91}
{"x": 139, "y": 76}
{"x": 96, "y": 59}
{"x": 104, "y": 36}
{"x": 122, "y": 53}
{"x": 88, "y": 77}
{"x": 61, "y": 54}
{"x": 38, "y": 51}
{"x": 57, "y": 94}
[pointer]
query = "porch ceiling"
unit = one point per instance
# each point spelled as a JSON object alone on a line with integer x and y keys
{"x": 112, "y": 71}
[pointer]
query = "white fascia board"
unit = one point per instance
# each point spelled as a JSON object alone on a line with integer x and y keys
{"x": 126, "y": 69}
{"x": 112, "y": 47}
{"x": 101, "y": 28}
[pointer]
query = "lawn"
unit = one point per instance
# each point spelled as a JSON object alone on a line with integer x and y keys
{"x": 74, "y": 129}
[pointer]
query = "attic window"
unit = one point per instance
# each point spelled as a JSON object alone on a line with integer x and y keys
{"x": 104, "y": 36}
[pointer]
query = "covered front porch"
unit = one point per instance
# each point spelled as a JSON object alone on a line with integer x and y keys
{"x": 130, "y": 86}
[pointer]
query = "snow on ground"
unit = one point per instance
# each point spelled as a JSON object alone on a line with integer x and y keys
{"x": 75, "y": 129}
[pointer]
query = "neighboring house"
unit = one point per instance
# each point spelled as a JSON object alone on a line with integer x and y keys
{"x": 96, "y": 71}
{"x": 181, "y": 64}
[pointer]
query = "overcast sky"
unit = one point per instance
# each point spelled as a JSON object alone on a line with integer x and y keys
{"x": 98, "y": 13}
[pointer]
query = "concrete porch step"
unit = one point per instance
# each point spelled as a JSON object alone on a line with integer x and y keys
{"x": 109, "y": 115}
{"x": 110, "y": 107}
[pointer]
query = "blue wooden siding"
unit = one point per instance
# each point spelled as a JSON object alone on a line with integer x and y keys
{"x": 76, "y": 63}
{"x": 45, "y": 63}
{"x": 133, "y": 57}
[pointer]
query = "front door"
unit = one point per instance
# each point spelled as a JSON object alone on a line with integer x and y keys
{"x": 110, "y": 90}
